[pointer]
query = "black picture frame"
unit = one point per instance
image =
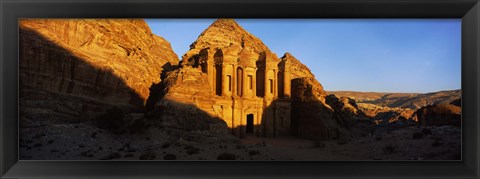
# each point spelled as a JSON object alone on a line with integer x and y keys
{"x": 467, "y": 10}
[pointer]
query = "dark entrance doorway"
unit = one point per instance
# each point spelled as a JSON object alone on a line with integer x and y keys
{"x": 249, "y": 128}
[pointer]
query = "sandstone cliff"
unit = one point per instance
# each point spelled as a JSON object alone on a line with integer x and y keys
{"x": 318, "y": 116}
{"x": 297, "y": 68}
{"x": 113, "y": 60}
{"x": 187, "y": 85}
{"x": 311, "y": 117}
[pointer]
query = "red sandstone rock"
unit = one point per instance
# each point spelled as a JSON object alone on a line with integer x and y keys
{"x": 114, "y": 60}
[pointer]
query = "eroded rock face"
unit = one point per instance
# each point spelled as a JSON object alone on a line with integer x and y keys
{"x": 457, "y": 102}
{"x": 346, "y": 110}
{"x": 114, "y": 60}
{"x": 438, "y": 115}
{"x": 416, "y": 101}
{"x": 187, "y": 104}
{"x": 311, "y": 117}
{"x": 296, "y": 68}
{"x": 188, "y": 86}
{"x": 308, "y": 89}
{"x": 387, "y": 115}
{"x": 321, "y": 117}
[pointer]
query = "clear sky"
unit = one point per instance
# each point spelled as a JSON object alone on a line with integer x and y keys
{"x": 382, "y": 55}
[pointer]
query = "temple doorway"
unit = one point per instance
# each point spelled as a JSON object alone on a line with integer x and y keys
{"x": 249, "y": 127}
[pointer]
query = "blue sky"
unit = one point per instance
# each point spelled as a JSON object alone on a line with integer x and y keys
{"x": 382, "y": 55}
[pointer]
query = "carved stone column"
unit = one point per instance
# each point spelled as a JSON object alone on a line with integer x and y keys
{"x": 254, "y": 83}
{"x": 224, "y": 86}
{"x": 275, "y": 81}
{"x": 234, "y": 80}
{"x": 244, "y": 77}
{"x": 266, "y": 86}
{"x": 213, "y": 78}
{"x": 211, "y": 72}
{"x": 287, "y": 83}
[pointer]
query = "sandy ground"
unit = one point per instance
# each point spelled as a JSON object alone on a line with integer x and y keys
{"x": 84, "y": 141}
{"x": 291, "y": 148}
{"x": 412, "y": 143}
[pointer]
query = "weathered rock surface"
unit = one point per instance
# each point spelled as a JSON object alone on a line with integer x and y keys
{"x": 187, "y": 103}
{"x": 115, "y": 60}
{"x": 188, "y": 85}
{"x": 457, "y": 102}
{"x": 387, "y": 115}
{"x": 366, "y": 97}
{"x": 296, "y": 68}
{"x": 438, "y": 115}
{"x": 321, "y": 117}
{"x": 399, "y": 109}
{"x": 421, "y": 100}
{"x": 311, "y": 117}
{"x": 40, "y": 108}
{"x": 402, "y": 100}
{"x": 346, "y": 110}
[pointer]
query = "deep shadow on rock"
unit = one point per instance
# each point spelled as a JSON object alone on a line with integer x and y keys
{"x": 438, "y": 115}
{"x": 58, "y": 70}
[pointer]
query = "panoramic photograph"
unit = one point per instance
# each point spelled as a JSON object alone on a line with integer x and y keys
{"x": 240, "y": 89}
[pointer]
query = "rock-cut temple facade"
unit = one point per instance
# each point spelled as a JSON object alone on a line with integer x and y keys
{"x": 252, "y": 95}
{"x": 250, "y": 86}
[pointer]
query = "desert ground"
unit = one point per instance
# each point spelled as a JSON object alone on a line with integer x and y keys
{"x": 85, "y": 141}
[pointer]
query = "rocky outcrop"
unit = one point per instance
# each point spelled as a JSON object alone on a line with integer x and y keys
{"x": 295, "y": 67}
{"x": 438, "y": 115}
{"x": 308, "y": 89}
{"x": 311, "y": 117}
{"x": 402, "y": 100}
{"x": 318, "y": 116}
{"x": 114, "y": 60}
{"x": 421, "y": 100}
{"x": 457, "y": 102}
{"x": 346, "y": 110}
{"x": 369, "y": 97}
{"x": 387, "y": 115}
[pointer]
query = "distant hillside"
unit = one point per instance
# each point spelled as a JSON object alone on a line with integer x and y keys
{"x": 402, "y": 100}
{"x": 367, "y": 96}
